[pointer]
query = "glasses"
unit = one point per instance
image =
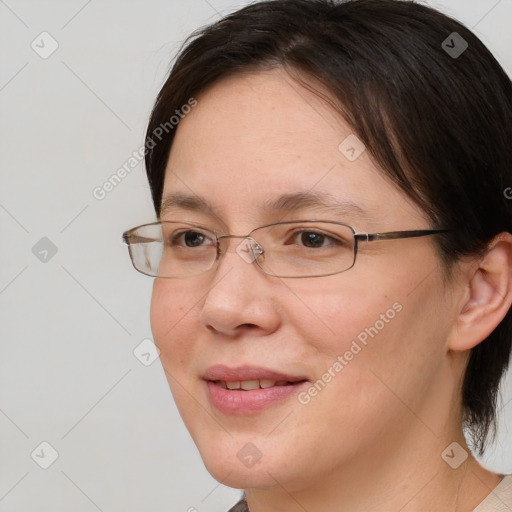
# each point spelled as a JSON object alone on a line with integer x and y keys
{"x": 302, "y": 248}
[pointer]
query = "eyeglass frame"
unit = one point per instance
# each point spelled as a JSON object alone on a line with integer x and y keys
{"x": 358, "y": 237}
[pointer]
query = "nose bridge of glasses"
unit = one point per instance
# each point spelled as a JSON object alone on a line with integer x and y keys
{"x": 248, "y": 249}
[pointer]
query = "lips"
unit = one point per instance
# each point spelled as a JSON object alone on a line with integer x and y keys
{"x": 249, "y": 389}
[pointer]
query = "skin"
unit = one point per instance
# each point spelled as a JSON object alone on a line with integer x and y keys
{"x": 372, "y": 438}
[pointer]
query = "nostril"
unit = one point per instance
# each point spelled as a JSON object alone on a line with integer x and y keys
{"x": 247, "y": 327}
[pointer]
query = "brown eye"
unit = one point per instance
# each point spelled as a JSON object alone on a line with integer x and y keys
{"x": 314, "y": 239}
{"x": 190, "y": 238}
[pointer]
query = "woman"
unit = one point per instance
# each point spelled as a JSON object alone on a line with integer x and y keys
{"x": 334, "y": 254}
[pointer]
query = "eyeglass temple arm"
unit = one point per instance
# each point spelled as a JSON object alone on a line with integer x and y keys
{"x": 391, "y": 235}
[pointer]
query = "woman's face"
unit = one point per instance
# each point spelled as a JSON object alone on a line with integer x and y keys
{"x": 373, "y": 338}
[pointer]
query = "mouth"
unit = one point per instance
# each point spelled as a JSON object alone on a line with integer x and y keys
{"x": 246, "y": 390}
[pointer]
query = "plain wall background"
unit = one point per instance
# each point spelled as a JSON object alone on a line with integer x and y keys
{"x": 70, "y": 324}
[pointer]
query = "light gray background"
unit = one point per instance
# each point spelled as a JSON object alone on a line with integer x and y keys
{"x": 68, "y": 375}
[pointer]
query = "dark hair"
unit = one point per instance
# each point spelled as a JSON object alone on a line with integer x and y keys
{"x": 439, "y": 124}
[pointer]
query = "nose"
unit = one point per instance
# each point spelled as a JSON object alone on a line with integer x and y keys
{"x": 242, "y": 297}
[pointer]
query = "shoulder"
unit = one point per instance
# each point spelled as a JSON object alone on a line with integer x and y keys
{"x": 499, "y": 499}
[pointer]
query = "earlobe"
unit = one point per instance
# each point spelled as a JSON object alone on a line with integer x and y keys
{"x": 489, "y": 298}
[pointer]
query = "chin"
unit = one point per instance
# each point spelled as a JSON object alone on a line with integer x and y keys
{"x": 238, "y": 463}
{"x": 238, "y": 477}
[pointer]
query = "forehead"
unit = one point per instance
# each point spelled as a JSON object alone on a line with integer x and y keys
{"x": 261, "y": 137}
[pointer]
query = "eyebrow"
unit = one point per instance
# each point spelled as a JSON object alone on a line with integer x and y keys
{"x": 290, "y": 202}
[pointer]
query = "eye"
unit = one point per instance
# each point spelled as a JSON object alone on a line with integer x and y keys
{"x": 191, "y": 239}
{"x": 315, "y": 239}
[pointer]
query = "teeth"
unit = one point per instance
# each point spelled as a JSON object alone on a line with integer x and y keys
{"x": 248, "y": 385}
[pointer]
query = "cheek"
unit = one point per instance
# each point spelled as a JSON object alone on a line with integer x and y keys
{"x": 347, "y": 336}
{"x": 172, "y": 324}
{"x": 368, "y": 346}
{"x": 330, "y": 319}
{"x": 175, "y": 327}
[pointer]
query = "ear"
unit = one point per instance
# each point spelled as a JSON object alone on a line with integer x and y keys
{"x": 488, "y": 295}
